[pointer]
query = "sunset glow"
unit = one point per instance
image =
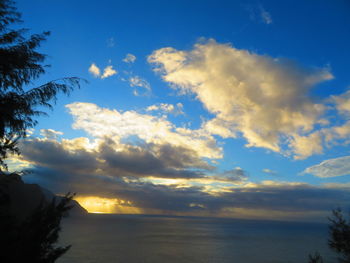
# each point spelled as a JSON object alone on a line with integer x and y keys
{"x": 94, "y": 204}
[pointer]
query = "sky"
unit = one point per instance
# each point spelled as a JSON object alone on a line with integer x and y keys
{"x": 204, "y": 108}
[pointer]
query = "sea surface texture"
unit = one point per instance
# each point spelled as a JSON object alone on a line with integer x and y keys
{"x": 128, "y": 239}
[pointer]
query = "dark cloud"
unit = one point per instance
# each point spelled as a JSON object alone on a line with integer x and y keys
{"x": 153, "y": 160}
{"x": 120, "y": 174}
{"x": 235, "y": 175}
{"x": 288, "y": 198}
{"x": 52, "y": 154}
{"x": 175, "y": 199}
{"x": 111, "y": 159}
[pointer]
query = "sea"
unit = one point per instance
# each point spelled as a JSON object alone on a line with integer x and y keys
{"x": 107, "y": 238}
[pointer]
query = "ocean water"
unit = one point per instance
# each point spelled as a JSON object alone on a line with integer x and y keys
{"x": 134, "y": 238}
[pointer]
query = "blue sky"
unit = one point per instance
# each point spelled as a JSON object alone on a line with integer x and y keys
{"x": 253, "y": 93}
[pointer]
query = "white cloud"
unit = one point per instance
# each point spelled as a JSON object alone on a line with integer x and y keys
{"x": 220, "y": 127}
{"x": 342, "y": 102}
{"x": 138, "y": 82}
{"x": 111, "y": 42}
{"x": 337, "y": 134}
{"x": 108, "y": 72}
{"x": 262, "y": 98}
{"x": 213, "y": 182}
{"x": 167, "y": 108}
{"x": 339, "y": 131}
{"x": 129, "y": 58}
{"x": 258, "y": 13}
{"x": 269, "y": 171}
{"x": 29, "y": 131}
{"x": 50, "y": 133}
{"x": 305, "y": 146}
{"x": 94, "y": 70}
{"x": 102, "y": 122}
{"x": 330, "y": 168}
{"x": 265, "y": 16}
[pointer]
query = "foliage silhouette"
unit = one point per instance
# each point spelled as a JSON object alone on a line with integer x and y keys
{"x": 32, "y": 239}
{"x": 340, "y": 236}
{"x": 339, "y": 241}
{"x": 20, "y": 64}
{"x": 316, "y": 258}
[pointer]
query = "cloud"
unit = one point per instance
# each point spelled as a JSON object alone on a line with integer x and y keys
{"x": 342, "y": 102}
{"x": 167, "y": 108}
{"x": 211, "y": 182}
{"x": 330, "y": 168}
{"x": 163, "y": 160}
{"x": 265, "y": 16}
{"x": 111, "y": 42}
{"x": 116, "y": 159}
{"x": 101, "y": 122}
{"x": 70, "y": 155}
{"x": 269, "y": 171}
{"x": 235, "y": 175}
{"x": 264, "y": 99}
{"x": 50, "y": 133}
{"x": 339, "y": 134}
{"x": 129, "y": 58}
{"x": 94, "y": 70}
{"x": 337, "y": 128}
{"x": 138, "y": 82}
{"x": 305, "y": 146}
{"x": 164, "y": 179}
{"x": 266, "y": 200}
{"x": 220, "y": 127}
{"x": 259, "y": 14}
{"x": 107, "y": 71}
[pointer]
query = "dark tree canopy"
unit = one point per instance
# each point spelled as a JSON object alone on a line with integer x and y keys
{"x": 339, "y": 240}
{"x": 21, "y": 101}
{"x": 317, "y": 258}
{"x": 20, "y": 65}
{"x": 34, "y": 239}
{"x": 340, "y": 236}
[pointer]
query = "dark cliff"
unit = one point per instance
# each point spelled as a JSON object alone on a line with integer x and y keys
{"x": 24, "y": 198}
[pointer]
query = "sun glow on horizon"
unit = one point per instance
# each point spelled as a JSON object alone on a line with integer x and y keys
{"x": 102, "y": 205}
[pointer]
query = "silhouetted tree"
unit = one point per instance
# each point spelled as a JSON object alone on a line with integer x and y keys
{"x": 339, "y": 241}
{"x": 34, "y": 239}
{"x": 20, "y": 64}
{"x": 340, "y": 236}
{"x": 315, "y": 258}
